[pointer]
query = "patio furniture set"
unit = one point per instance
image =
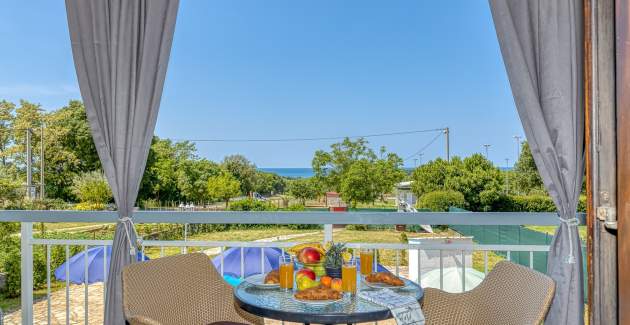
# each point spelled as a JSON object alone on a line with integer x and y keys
{"x": 188, "y": 289}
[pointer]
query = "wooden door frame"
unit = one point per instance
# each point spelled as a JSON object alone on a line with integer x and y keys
{"x": 600, "y": 95}
{"x": 622, "y": 50}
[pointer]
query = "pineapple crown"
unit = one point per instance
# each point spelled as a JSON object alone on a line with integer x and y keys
{"x": 334, "y": 255}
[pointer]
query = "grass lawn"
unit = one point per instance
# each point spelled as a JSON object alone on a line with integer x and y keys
{"x": 232, "y": 235}
{"x": 552, "y": 229}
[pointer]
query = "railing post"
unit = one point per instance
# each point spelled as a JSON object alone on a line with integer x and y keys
{"x": 328, "y": 233}
{"x": 26, "y": 272}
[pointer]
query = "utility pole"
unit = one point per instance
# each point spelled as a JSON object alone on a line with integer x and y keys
{"x": 507, "y": 176}
{"x": 487, "y": 146}
{"x": 421, "y": 154}
{"x": 29, "y": 165}
{"x": 518, "y": 146}
{"x": 42, "y": 191}
{"x": 415, "y": 162}
{"x": 448, "y": 146}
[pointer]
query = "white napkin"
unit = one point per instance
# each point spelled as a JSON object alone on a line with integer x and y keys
{"x": 406, "y": 309}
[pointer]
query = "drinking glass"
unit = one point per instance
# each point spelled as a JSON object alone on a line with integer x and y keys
{"x": 349, "y": 276}
{"x": 286, "y": 272}
{"x": 367, "y": 261}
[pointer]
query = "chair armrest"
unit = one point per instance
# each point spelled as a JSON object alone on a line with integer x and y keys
{"x": 141, "y": 320}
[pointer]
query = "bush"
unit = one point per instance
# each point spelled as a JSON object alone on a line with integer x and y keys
{"x": 440, "y": 201}
{"x": 36, "y": 204}
{"x": 91, "y": 187}
{"x": 296, "y": 207}
{"x": 357, "y": 227}
{"x": 252, "y": 205}
{"x": 87, "y": 206}
{"x": 533, "y": 203}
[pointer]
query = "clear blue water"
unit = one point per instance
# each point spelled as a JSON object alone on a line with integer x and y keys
{"x": 298, "y": 172}
{"x": 290, "y": 172}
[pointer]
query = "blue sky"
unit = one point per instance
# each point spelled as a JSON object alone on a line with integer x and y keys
{"x": 286, "y": 68}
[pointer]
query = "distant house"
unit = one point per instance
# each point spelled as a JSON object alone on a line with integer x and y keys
{"x": 404, "y": 195}
{"x": 333, "y": 200}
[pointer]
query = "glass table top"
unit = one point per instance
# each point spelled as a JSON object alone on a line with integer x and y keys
{"x": 280, "y": 304}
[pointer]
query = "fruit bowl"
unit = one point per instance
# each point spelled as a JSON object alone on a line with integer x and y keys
{"x": 318, "y": 268}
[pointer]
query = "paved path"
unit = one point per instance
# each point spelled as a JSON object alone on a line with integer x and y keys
{"x": 58, "y": 307}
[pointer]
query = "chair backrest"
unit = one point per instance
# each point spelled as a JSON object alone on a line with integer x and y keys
{"x": 181, "y": 289}
{"x": 512, "y": 294}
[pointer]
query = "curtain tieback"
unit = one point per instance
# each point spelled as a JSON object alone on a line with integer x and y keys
{"x": 571, "y": 222}
{"x": 128, "y": 223}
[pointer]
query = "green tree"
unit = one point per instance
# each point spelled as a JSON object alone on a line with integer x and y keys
{"x": 91, "y": 187}
{"x": 338, "y": 170}
{"x": 193, "y": 176}
{"x": 243, "y": 170}
{"x": 160, "y": 179}
{"x": 268, "y": 183}
{"x": 9, "y": 188}
{"x": 526, "y": 174}
{"x": 330, "y": 167}
{"x": 6, "y": 129}
{"x": 223, "y": 187}
{"x": 475, "y": 177}
{"x": 304, "y": 189}
{"x": 389, "y": 172}
{"x": 69, "y": 149}
{"x": 27, "y": 116}
{"x": 360, "y": 184}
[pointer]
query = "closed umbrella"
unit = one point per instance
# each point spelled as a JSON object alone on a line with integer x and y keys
{"x": 95, "y": 272}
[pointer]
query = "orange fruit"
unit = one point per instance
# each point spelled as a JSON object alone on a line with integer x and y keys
{"x": 326, "y": 281}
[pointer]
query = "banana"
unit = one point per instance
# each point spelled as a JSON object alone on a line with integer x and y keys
{"x": 297, "y": 248}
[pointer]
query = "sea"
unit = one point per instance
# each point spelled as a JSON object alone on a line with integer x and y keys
{"x": 305, "y": 172}
{"x": 295, "y": 172}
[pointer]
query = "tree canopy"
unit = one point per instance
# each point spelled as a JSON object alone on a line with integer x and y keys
{"x": 475, "y": 177}
{"x": 526, "y": 174}
{"x": 223, "y": 187}
{"x": 354, "y": 170}
{"x": 304, "y": 189}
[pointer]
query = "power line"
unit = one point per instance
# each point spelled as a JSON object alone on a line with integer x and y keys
{"x": 424, "y": 147}
{"x": 314, "y": 139}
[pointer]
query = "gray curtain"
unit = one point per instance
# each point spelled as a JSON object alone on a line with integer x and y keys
{"x": 121, "y": 50}
{"x": 541, "y": 43}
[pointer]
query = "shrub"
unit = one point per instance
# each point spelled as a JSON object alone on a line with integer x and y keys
{"x": 296, "y": 207}
{"x": 91, "y": 187}
{"x": 87, "y": 206}
{"x": 252, "y": 205}
{"x": 441, "y": 200}
{"x": 533, "y": 203}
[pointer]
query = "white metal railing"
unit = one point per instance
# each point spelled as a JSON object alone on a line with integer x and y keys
{"x": 26, "y": 218}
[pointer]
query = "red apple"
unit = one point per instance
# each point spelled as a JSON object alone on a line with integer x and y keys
{"x": 309, "y": 255}
{"x": 306, "y": 272}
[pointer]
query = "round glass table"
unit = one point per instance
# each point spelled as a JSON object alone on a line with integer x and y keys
{"x": 280, "y": 305}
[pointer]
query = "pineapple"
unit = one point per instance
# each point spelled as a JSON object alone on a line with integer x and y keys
{"x": 334, "y": 256}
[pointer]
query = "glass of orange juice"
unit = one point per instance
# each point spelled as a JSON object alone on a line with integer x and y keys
{"x": 286, "y": 272}
{"x": 349, "y": 276}
{"x": 367, "y": 261}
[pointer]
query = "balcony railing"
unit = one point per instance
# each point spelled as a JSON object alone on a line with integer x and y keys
{"x": 327, "y": 219}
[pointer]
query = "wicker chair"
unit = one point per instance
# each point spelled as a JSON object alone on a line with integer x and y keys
{"x": 510, "y": 294}
{"x": 181, "y": 289}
